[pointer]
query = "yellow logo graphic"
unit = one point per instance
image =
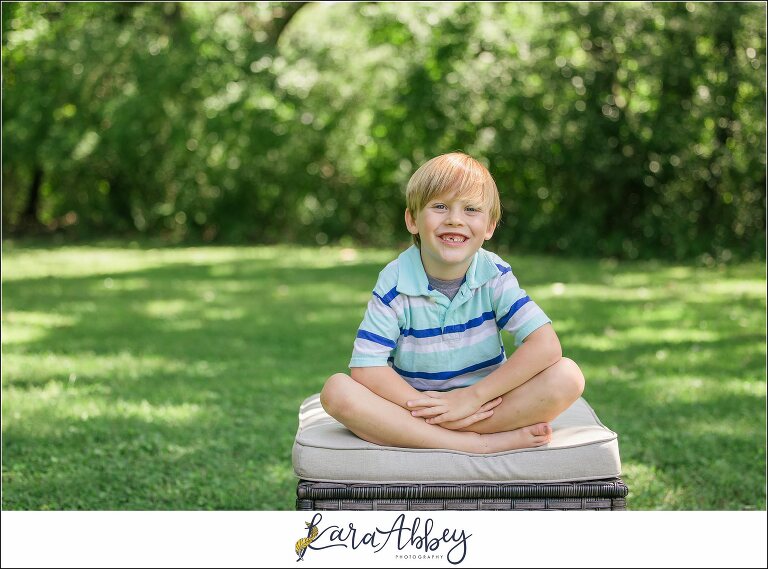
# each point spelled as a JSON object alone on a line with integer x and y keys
{"x": 303, "y": 543}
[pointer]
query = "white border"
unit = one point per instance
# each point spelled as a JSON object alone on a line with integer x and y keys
{"x": 496, "y": 539}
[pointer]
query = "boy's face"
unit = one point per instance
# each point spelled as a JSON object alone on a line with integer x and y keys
{"x": 451, "y": 231}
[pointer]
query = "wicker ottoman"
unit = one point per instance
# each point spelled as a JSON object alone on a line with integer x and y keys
{"x": 578, "y": 470}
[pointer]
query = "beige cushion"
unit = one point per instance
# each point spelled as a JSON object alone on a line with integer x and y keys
{"x": 582, "y": 448}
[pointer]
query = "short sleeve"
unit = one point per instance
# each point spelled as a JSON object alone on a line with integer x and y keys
{"x": 378, "y": 334}
{"x": 515, "y": 311}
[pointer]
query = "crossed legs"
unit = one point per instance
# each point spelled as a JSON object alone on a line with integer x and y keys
{"x": 521, "y": 420}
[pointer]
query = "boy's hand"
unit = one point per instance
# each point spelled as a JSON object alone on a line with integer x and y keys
{"x": 451, "y": 406}
{"x": 484, "y": 412}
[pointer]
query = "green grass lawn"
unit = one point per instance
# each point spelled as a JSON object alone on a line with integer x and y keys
{"x": 170, "y": 378}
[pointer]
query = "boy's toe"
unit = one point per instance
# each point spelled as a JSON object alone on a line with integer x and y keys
{"x": 541, "y": 429}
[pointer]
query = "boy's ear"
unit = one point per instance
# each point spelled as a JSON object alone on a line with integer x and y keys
{"x": 491, "y": 229}
{"x": 410, "y": 222}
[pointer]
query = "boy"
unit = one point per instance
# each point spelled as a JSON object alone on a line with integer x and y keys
{"x": 428, "y": 368}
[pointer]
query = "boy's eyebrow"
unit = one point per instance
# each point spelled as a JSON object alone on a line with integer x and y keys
{"x": 466, "y": 201}
{"x": 446, "y": 198}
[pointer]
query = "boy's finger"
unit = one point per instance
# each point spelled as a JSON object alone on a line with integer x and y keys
{"x": 429, "y": 402}
{"x": 491, "y": 404}
{"x": 472, "y": 419}
{"x": 439, "y": 419}
{"x": 477, "y": 417}
{"x": 427, "y": 412}
{"x": 453, "y": 425}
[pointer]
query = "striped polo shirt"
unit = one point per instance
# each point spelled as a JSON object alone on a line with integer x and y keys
{"x": 435, "y": 343}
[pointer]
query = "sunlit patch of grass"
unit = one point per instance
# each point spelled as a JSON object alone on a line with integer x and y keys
{"x": 753, "y": 387}
{"x": 60, "y": 402}
{"x": 86, "y": 367}
{"x": 150, "y": 378}
{"x": 168, "y": 308}
{"x": 22, "y": 327}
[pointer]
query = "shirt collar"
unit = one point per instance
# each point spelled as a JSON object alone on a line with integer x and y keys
{"x": 412, "y": 278}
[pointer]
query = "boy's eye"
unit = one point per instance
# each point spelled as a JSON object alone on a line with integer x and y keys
{"x": 439, "y": 205}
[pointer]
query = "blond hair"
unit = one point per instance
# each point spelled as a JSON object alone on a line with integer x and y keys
{"x": 454, "y": 172}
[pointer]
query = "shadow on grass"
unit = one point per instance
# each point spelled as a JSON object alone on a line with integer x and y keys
{"x": 178, "y": 387}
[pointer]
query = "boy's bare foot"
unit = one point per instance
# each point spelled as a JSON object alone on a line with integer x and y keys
{"x": 524, "y": 437}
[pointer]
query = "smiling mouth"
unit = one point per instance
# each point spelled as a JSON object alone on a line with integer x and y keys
{"x": 452, "y": 238}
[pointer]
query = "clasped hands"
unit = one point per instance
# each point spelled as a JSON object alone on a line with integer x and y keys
{"x": 454, "y": 409}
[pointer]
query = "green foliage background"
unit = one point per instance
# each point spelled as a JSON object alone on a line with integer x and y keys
{"x": 631, "y": 130}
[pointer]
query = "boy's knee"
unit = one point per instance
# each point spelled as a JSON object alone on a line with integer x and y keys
{"x": 567, "y": 382}
{"x": 572, "y": 380}
{"x": 335, "y": 394}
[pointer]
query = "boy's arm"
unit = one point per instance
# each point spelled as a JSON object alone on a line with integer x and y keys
{"x": 538, "y": 345}
{"x": 387, "y": 383}
{"x": 540, "y": 349}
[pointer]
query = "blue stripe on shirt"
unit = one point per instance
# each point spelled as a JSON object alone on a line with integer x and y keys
{"x": 430, "y": 332}
{"x": 503, "y": 269}
{"x": 443, "y": 375}
{"x": 470, "y": 324}
{"x": 515, "y": 307}
{"x": 365, "y": 335}
{"x": 387, "y": 298}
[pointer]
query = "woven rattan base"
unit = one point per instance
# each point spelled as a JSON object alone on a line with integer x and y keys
{"x": 608, "y": 494}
